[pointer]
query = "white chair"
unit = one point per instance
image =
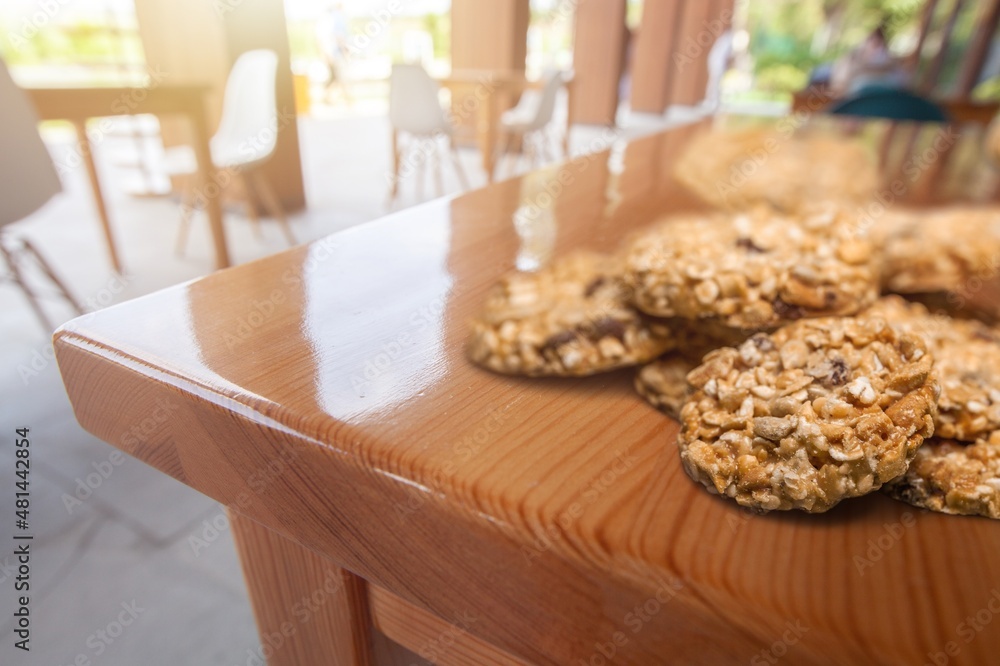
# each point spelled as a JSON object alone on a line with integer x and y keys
{"x": 527, "y": 123}
{"x": 28, "y": 180}
{"x": 718, "y": 62}
{"x": 415, "y": 110}
{"x": 246, "y": 138}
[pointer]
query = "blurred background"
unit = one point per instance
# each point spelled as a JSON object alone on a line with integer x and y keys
{"x": 776, "y": 44}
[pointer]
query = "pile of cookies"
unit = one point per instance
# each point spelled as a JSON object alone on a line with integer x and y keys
{"x": 776, "y": 339}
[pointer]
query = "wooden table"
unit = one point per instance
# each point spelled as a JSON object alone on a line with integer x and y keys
{"x": 322, "y": 395}
{"x": 80, "y": 104}
{"x": 959, "y": 110}
{"x": 491, "y": 88}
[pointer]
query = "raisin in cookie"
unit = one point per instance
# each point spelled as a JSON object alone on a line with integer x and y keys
{"x": 953, "y": 477}
{"x": 966, "y": 362}
{"x": 751, "y": 271}
{"x": 819, "y": 411}
{"x": 571, "y": 318}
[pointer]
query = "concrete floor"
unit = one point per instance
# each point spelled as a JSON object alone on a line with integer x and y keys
{"x": 126, "y": 542}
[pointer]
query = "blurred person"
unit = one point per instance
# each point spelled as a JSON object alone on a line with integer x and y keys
{"x": 868, "y": 65}
{"x": 332, "y": 32}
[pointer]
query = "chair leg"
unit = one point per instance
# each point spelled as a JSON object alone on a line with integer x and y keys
{"x": 270, "y": 200}
{"x": 438, "y": 177}
{"x": 547, "y": 147}
{"x": 531, "y": 151}
{"x": 419, "y": 175}
{"x": 527, "y": 153}
{"x": 396, "y": 159}
{"x": 506, "y": 155}
{"x": 250, "y": 204}
{"x": 187, "y": 210}
{"x": 51, "y": 274}
{"x": 456, "y": 160}
{"x": 15, "y": 271}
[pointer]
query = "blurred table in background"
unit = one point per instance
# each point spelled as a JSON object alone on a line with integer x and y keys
{"x": 494, "y": 91}
{"x": 960, "y": 111}
{"x": 79, "y": 104}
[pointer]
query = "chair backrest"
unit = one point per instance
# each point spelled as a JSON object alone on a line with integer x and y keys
{"x": 413, "y": 102}
{"x": 547, "y": 100}
{"x": 28, "y": 178}
{"x": 718, "y": 58}
{"x": 891, "y": 104}
{"x": 248, "y": 130}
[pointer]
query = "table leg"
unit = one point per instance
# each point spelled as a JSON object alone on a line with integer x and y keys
{"x": 95, "y": 187}
{"x": 396, "y": 158}
{"x": 569, "y": 119}
{"x": 308, "y": 610}
{"x": 929, "y": 181}
{"x": 489, "y": 135}
{"x": 210, "y": 191}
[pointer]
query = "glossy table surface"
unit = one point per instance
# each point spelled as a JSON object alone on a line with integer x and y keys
{"x": 324, "y": 393}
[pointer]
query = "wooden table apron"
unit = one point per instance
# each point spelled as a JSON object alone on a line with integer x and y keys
{"x": 323, "y": 393}
{"x": 80, "y": 104}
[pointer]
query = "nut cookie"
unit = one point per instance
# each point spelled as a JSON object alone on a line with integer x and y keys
{"x": 966, "y": 362}
{"x": 819, "y": 411}
{"x": 953, "y": 477}
{"x": 663, "y": 383}
{"x": 943, "y": 302}
{"x": 751, "y": 271}
{"x": 571, "y": 318}
{"x": 740, "y": 169}
{"x": 941, "y": 249}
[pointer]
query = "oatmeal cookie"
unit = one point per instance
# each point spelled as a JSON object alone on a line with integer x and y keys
{"x": 953, "y": 477}
{"x": 966, "y": 362}
{"x": 819, "y": 411}
{"x": 663, "y": 383}
{"x": 571, "y": 318}
{"x": 958, "y": 307}
{"x": 751, "y": 271}
{"x": 738, "y": 169}
{"x": 942, "y": 249}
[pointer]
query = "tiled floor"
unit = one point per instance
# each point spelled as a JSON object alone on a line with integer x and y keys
{"x": 112, "y": 536}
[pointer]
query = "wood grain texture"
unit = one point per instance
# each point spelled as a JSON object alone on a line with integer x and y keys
{"x": 323, "y": 392}
{"x": 442, "y": 642}
{"x": 308, "y": 610}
